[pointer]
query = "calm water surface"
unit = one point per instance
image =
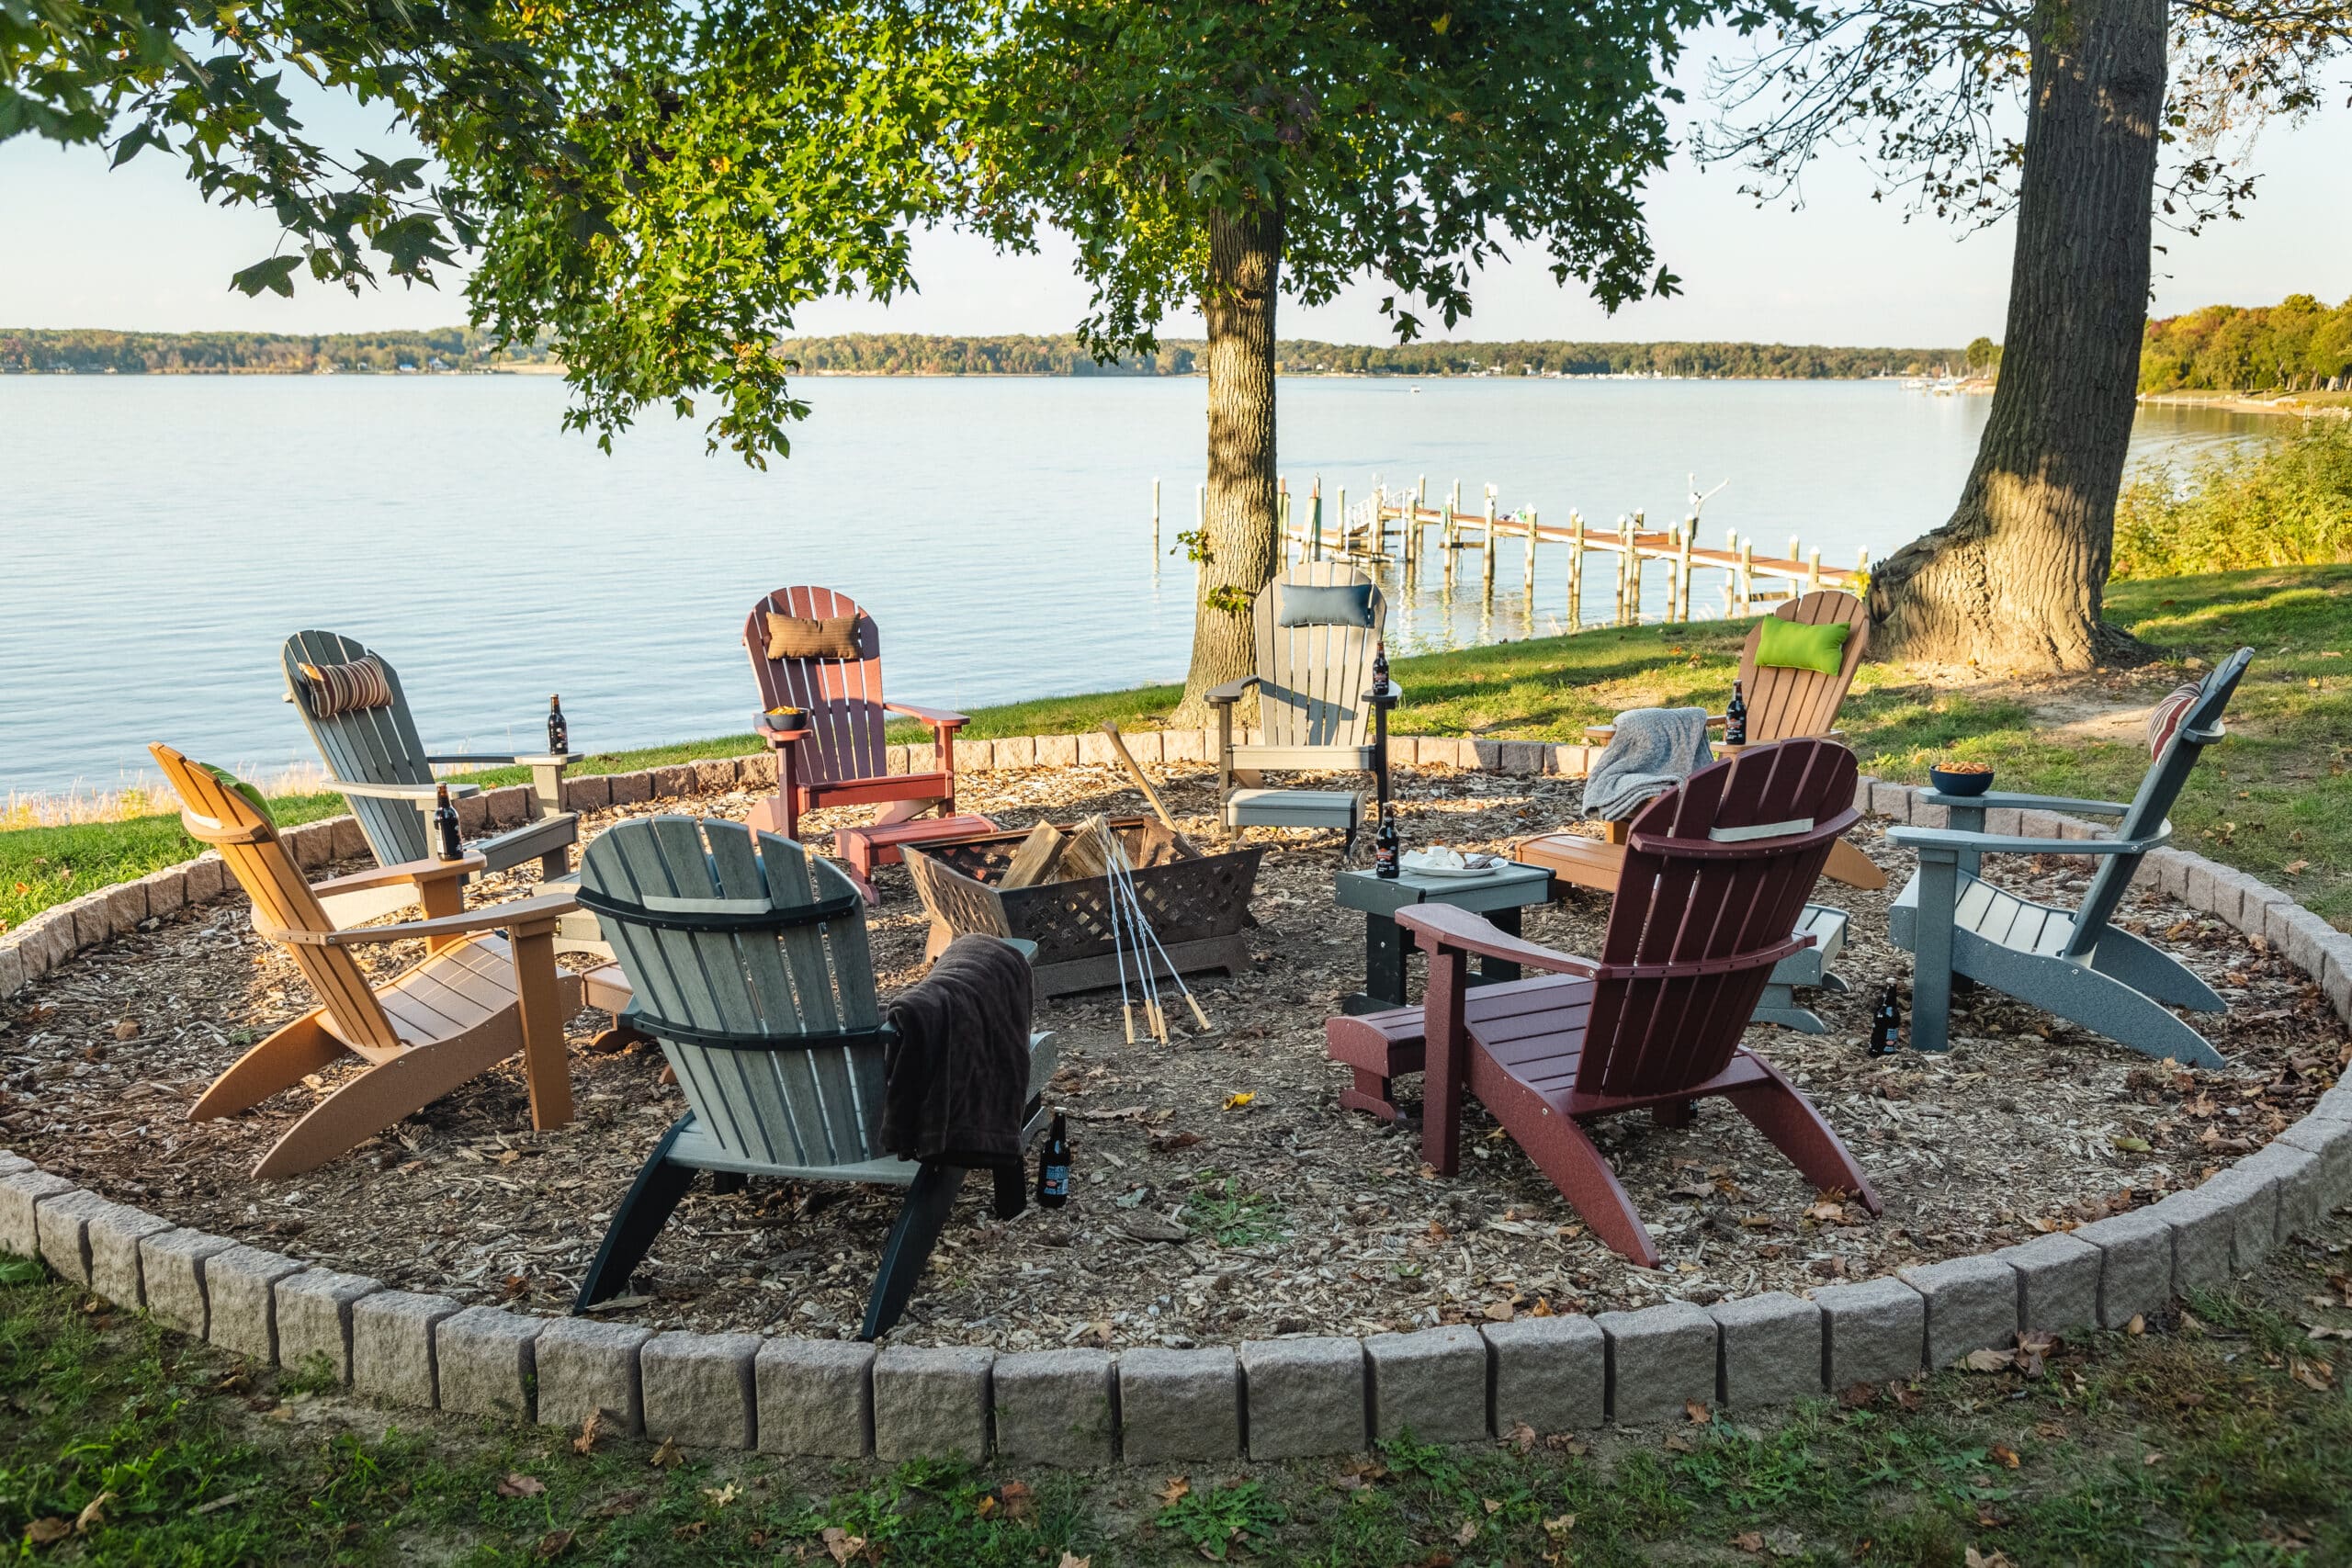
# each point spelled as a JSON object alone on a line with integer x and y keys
{"x": 161, "y": 536}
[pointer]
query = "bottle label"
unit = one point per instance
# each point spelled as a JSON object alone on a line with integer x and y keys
{"x": 1054, "y": 1181}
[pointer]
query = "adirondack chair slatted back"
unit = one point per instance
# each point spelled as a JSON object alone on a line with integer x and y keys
{"x": 1697, "y": 925}
{"x": 844, "y": 696}
{"x": 739, "y": 952}
{"x": 1313, "y": 679}
{"x": 375, "y": 746}
{"x": 214, "y": 814}
{"x": 1784, "y": 703}
{"x": 2200, "y": 727}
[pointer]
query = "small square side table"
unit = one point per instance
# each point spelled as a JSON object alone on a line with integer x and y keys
{"x": 1499, "y": 896}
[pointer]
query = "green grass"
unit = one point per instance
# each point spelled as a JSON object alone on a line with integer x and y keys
{"x": 2276, "y": 801}
{"x": 2227, "y": 1441}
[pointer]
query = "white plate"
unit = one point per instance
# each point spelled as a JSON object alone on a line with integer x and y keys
{"x": 1452, "y": 873}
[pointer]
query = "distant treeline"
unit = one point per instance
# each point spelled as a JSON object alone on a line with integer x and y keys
{"x": 89, "y": 352}
{"x": 2298, "y": 344}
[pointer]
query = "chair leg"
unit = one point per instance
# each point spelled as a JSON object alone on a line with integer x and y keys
{"x": 288, "y": 1055}
{"x": 2153, "y": 972}
{"x": 1931, "y": 975}
{"x": 1849, "y": 865}
{"x": 922, "y": 1217}
{"x": 1791, "y": 1125}
{"x": 387, "y": 1092}
{"x": 1572, "y": 1163}
{"x": 653, "y": 1198}
{"x": 2099, "y": 1003}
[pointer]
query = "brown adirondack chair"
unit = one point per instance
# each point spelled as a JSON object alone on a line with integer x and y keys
{"x": 477, "y": 998}
{"x": 1782, "y": 705}
{"x": 1701, "y": 916}
{"x": 840, "y": 758}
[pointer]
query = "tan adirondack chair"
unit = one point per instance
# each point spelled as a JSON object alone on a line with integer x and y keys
{"x": 1312, "y": 714}
{"x": 1782, "y": 705}
{"x": 477, "y": 998}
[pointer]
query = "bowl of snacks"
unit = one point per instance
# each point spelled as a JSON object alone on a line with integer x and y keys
{"x": 1961, "y": 777}
{"x": 785, "y": 720}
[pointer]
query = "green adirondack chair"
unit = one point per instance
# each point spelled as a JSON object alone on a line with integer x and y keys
{"x": 2073, "y": 962}
{"x": 1311, "y": 680}
{"x": 748, "y": 961}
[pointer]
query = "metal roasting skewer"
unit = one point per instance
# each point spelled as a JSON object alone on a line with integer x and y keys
{"x": 1117, "y": 861}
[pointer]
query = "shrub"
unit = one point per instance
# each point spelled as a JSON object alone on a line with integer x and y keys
{"x": 2286, "y": 503}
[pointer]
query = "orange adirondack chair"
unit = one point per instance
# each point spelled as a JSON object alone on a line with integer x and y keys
{"x": 1702, "y": 913}
{"x": 477, "y": 998}
{"x": 1782, "y": 705}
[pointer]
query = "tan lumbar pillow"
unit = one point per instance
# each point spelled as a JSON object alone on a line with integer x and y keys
{"x": 793, "y": 637}
{"x": 347, "y": 688}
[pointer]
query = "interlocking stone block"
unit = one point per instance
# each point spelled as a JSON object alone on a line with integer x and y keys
{"x": 1016, "y": 752}
{"x": 1185, "y": 746}
{"x": 1873, "y": 1332}
{"x": 313, "y": 842}
{"x": 170, "y": 1271}
{"x": 392, "y": 1352}
{"x": 631, "y": 789}
{"x": 894, "y": 761}
{"x": 240, "y": 1285}
{"x": 13, "y": 978}
{"x": 2330, "y": 1143}
{"x": 815, "y": 1396}
{"x": 2135, "y": 1265}
{"x": 509, "y": 806}
{"x": 1486, "y": 755}
{"x": 673, "y": 781}
{"x": 1863, "y": 784}
{"x": 1433, "y": 1384}
{"x": 1523, "y": 757}
{"x": 2336, "y": 980}
{"x": 2205, "y": 888}
{"x": 21, "y": 1196}
{"x": 314, "y": 1317}
{"x": 11, "y": 1162}
{"x": 1971, "y": 1305}
{"x": 114, "y": 1236}
{"x": 350, "y": 842}
{"x": 1551, "y": 1373}
{"x": 586, "y": 1366}
{"x": 757, "y": 772}
{"x": 484, "y": 1362}
{"x": 698, "y": 1388}
{"x": 2203, "y": 1226}
{"x": 1180, "y": 1404}
{"x": 1146, "y": 745}
{"x": 1056, "y": 1406}
{"x": 126, "y": 905}
{"x": 64, "y": 1222}
{"x": 1095, "y": 749}
{"x": 1771, "y": 1350}
{"x": 1891, "y": 800}
{"x": 714, "y": 775}
{"x": 2335, "y": 1105}
{"x": 593, "y": 793}
{"x": 208, "y": 877}
{"x": 92, "y": 924}
{"x": 1659, "y": 1357}
{"x": 1306, "y": 1397}
{"x": 50, "y": 938}
{"x": 2275, "y": 921}
{"x": 932, "y": 1404}
{"x": 2251, "y": 1188}
{"x": 167, "y": 890}
{"x": 975, "y": 756}
{"x": 2254, "y": 905}
{"x": 1057, "y": 750}
{"x": 2057, "y": 1282}
{"x": 2303, "y": 948}
{"x": 2294, "y": 1174}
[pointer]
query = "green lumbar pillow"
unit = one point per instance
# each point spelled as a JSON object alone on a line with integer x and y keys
{"x": 238, "y": 786}
{"x": 1789, "y": 645}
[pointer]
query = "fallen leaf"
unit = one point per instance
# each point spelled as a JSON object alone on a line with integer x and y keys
{"x": 1857, "y": 1394}
{"x": 2007, "y": 1455}
{"x": 1467, "y": 1533}
{"x": 1072, "y": 1560}
{"x": 1976, "y": 1559}
{"x": 2050, "y": 1431}
{"x": 1560, "y": 1526}
{"x": 1750, "y": 1542}
{"x": 1696, "y": 1412}
{"x": 721, "y": 1496}
{"x": 1680, "y": 1444}
{"x": 1018, "y": 1502}
{"x": 1522, "y": 1437}
{"x": 667, "y": 1455}
{"x": 515, "y": 1484}
{"x": 2152, "y": 1458}
{"x": 590, "y": 1430}
{"x": 93, "y": 1514}
{"x": 842, "y": 1544}
{"x": 1499, "y": 1312}
{"x": 2130, "y": 1146}
{"x": 2138, "y": 1325}
{"x": 1563, "y": 1443}
{"x": 1236, "y": 1101}
{"x": 2314, "y": 1374}
{"x": 618, "y": 1506}
{"x": 553, "y": 1544}
{"x": 1988, "y": 1360}
{"x": 1179, "y": 1487}
{"x": 48, "y": 1531}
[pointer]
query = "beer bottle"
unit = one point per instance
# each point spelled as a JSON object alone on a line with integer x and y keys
{"x": 1735, "y": 719}
{"x": 1380, "y": 669}
{"x": 444, "y": 826}
{"x": 1053, "y": 1166}
{"x": 1384, "y": 863}
{"x": 558, "y": 732}
{"x": 1886, "y": 1024}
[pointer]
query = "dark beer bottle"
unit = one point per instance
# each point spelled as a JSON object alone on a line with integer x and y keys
{"x": 1380, "y": 669}
{"x": 558, "y": 732}
{"x": 1385, "y": 863}
{"x": 1735, "y": 719}
{"x": 1053, "y": 1166}
{"x": 1886, "y": 1024}
{"x": 444, "y": 826}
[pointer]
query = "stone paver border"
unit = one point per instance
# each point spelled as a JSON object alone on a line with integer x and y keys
{"x": 1297, "y": 1396}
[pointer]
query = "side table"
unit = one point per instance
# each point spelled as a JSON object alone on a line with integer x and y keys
{"x": 1499, "y": 895}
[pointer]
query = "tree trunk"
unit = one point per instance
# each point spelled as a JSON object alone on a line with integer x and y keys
{"x": 2013, "y": 582}
{"x": 1241, "y": 550}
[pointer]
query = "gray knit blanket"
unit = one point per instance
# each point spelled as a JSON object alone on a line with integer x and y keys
{"x": 1653, "y": 751}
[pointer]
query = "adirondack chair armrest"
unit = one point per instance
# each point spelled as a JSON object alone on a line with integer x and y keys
{"x": 490, "y": 758}
{"x": 938, "y": 718}
{"x": 1230, "y": 693}
{"x": 422, "y": 794}
{"x": 2026, "y": 802}
{"x": 2001, "y": 844}
{"x": 1438, "y": 926}
{"x": 418, "y": 872}
{"x": 539, "y": 910}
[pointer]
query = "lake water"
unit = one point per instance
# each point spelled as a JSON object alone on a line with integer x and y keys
{"x": 161, "y": 536}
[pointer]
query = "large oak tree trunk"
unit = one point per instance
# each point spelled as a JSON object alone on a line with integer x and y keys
{"x": 2014, "y": 580}
{"x": 1241, "y": 550}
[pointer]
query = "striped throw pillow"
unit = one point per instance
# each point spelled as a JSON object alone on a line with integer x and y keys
{"x": 2166, "y": 717}
{"x": 347, "y": 688}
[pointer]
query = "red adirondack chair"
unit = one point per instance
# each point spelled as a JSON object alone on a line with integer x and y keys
{"x": 840, "y": 758}
{"x": 1702, "y": 913}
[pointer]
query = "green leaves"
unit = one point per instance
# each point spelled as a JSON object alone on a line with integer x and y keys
{"x": 276, "y": 274}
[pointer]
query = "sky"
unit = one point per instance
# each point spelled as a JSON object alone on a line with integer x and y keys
{"x": 137, "y": 248}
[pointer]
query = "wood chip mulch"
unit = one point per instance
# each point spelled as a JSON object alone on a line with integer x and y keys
{"x": 1221, "y": 1194}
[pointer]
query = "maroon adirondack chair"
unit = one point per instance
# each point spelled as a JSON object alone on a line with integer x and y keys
{"x": 1703, "y": 911}
{"x": 840, "y": 758}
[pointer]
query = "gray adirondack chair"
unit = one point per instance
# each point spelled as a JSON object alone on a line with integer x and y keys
{"x": 2073, "y": 962}
{"x": 375, "y": 760}
{"x": 748, "y": 961}
{"x": 1312, "y": 713}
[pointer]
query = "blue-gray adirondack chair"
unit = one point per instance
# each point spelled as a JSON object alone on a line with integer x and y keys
{"x": 2075, "y": 963}
{"x": 375, "y": 760}
{"x": 749, "y": 963}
